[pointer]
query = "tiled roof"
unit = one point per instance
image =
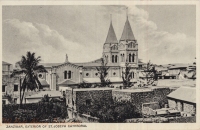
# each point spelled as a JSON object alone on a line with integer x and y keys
{"x": 50, "y": 64}
{"x": 5, "y": 63}
{"x": 127, "y": 32}
{"x": 185, "y": 94}
{"x": 97, "y": 80}
{"x": 95, "y": 64}
{"x": 67, "y": 82}
{"x": 41, "y": 94}
{"x": 43, "y": 82}
{"x": 111, "y": 37}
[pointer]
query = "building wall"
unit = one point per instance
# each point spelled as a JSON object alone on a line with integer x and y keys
{"x": 182, "y": 106}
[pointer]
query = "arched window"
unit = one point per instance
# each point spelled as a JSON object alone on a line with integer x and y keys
{"x": 133, "y": 57}
{"x": 116, "y": 58}
{"x": 123, "y": 57}
{"x": 69, "y": 75}
{"x": 65, "y": 74}
{"x": 129, "y": 57}
{"x": 113, "y": 58}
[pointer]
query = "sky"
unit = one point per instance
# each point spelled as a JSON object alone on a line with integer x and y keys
{"x": 165, "y": 33}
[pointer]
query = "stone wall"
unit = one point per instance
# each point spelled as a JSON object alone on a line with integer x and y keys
{"x": 186, "y": 107}
{"x": 93, "y": 96}
{"x": 138, "y": 98}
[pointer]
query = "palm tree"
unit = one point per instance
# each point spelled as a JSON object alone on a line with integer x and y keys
{"x": 29, "y": 67}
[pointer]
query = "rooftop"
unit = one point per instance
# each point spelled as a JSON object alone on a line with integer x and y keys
{"x": 41, "y": 94}
{"x": 5, "y": 63}
{"x": 93, "y": 89}
{"x": 185, "y": 94}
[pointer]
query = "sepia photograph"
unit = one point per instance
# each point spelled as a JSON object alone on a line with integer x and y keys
{"x": 99, "y": 63}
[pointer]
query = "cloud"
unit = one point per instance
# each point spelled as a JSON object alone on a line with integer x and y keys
{"x": 80, "y": 31}
{"x": 160, "y": 46}
{"x": 39, "y": 38}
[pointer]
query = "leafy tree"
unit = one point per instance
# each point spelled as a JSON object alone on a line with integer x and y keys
{"x": 150, "y": 74}
{"x": 126, "y": 76}
{"x": 29, "y": 67}
{"x": 103, "y": 72}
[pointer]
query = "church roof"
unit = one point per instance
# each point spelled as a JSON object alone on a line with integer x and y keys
{"x": 127, "y": 32}
{"x": 111, "y": 37}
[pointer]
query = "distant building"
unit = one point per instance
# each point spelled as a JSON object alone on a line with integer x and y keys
{"x": 183, "y": 99}
{"x": 10, "y": 86}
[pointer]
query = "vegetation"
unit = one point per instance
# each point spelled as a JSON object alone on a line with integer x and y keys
{"x": 102, "y": 73}
{"x": 150, "y": 74}
{"x": 110, "y": 112}
{"x": 126, "y": 76}
{"x": 29, "y": 67}
{"x": 34, "y": 113}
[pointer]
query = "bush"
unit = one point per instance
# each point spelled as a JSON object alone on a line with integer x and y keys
{"x": 110, "y": 112}
{"x": 35, "y": 112}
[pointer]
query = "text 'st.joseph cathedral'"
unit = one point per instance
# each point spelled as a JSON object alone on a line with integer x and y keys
{"x": 115, "y": 52}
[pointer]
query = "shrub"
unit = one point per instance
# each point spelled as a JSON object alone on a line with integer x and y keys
{"x": 35, "y": 112}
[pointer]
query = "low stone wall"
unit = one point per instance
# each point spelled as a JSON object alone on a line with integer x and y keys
{"x": 191, "y": 119}
{"x": 138, "y": 98}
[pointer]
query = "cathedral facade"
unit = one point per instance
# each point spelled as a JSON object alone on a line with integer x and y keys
{"x": 116, "y": 53}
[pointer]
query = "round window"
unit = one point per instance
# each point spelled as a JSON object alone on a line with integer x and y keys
{"x": 40, "y": 75}
{"x": 96, "y": 74}
{"x": 87, "y": 74}
{"x": 114, "y": 73}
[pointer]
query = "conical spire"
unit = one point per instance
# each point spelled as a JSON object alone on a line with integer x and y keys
{"x": 127, "y": 32}
{"x": 111, "y": 37}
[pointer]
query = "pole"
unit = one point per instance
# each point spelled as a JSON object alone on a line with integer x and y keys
{"x": 20, "y": 88}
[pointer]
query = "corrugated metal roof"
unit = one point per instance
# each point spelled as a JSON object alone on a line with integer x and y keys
{"x": 5, "y": 63}
{"x": 185, "y": 94}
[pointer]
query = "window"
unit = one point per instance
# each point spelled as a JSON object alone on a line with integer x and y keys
{"x": 116, "y": 58}
{"x": 133, "y": 57}
{"x": 40, "y": 76}
{"x": 15, "y": 101}
{"x": 87, "y": 74}
{"x": 96, "y": 74}
{"x": 3, "y": 88}
{"x": 88, "y": 102}
{"x": 129, "y": 57}
{"x": 69, "y": 75}
{"x": 65, "y": 74}
{"x": 4, "y": 102}
{"x": 15, "y": 87}
{"x": 123, "y": 58}
{"x": 114, "y": 74}
{"x": 113, "y": 58}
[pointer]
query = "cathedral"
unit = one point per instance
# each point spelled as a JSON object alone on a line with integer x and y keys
{"x": 115, "y": 53}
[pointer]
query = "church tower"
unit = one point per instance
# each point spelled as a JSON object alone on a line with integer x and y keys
{"x": 110, "y": 48}
{"x": 128, "y": 47}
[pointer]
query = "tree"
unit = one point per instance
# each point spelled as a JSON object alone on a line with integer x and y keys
{"x": 193, "y": 70}
{"x": 150, "y": 74}
{"x": 29, "y": 67}
{"x": 103, "y": 72}
{"x": 126, "y": 76}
